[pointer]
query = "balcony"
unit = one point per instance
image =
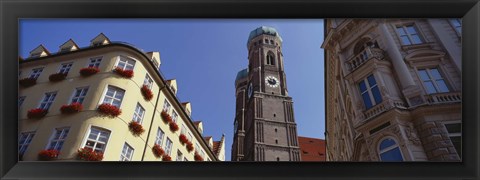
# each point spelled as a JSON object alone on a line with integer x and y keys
{"x": 441, "y": 98}
{"x": 383, "y": 107}
{"x": 363, "y": 57}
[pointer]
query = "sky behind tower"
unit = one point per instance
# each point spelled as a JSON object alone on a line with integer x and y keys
{"x": 204, "y": 55}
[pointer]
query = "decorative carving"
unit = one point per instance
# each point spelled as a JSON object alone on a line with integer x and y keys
{"x": 384, "y": 91}
{"x": 412, "y": 134}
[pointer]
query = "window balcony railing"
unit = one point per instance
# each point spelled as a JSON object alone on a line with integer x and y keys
{"x": 438, "y": 98}
{"x": 364, "y": 56}
{"x": 383, "y": 107}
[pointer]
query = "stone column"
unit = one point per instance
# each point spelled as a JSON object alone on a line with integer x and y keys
{"x": 448, "y": 42}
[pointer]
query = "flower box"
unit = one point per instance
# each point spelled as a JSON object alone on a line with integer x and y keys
{"x": 183, "y": 139}
{"x": 48, "y": 155}
{"x": 36, "y": 113}
{"x": 109, "y": 110}
{"x": 123, "y": 73}
{"x": 27, "y": 82}
{"x": 157, "y": 151}
{"x": 166, "y": 117}
{"x": 87, "y": 154}
{"x": 190, "y": 147}
{"x": 88, "y": 71}
{"x": 197, "y": 157}
{"x": 136, "y": 128}
{"x": 173, "y": 126}
{"x": 71, "y": 108}
{"x": 57, "y": 77}
{"x": 166, "y": 158}
{"x": 147, "y": 93}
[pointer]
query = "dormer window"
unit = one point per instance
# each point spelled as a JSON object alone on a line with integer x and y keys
{"x": 65, "y": 49}
{"x": 95, "y": 44}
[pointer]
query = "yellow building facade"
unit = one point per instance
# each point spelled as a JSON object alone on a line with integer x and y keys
{"x": 88, "y": 128}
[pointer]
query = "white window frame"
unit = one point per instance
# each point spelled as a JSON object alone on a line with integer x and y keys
{"x": 47, "y": 100}
{"x": 116, "y": 90}
{"x": 168, "y": 146}
{"x": 81, "y": 97}
{"x": 22, "y": 147}
{"x": 65, "y": 68}
{"x": 434, "y": 81}
{"x": 368, "y": 90}
{"x": 138, "y": 113}
{"x": 127, "y": 152}
{"x": 380, "y": 151}
{"x": 174, "y": 116}
{"x": 190, "y": 137}
{"x": 21, "y": 99}
{"x": 95, "y": 62}
{"x": 166, "y": 106}
{"x": 59, "y": 141}
{"x": 127, "y": 63}
{"x": 159, "y": 137}
{"x": 453, "y": 22}
{"x": 179, "y": 155}
{"x": 183, "y": 130}
{"x": 36, "y": 72}
{"x": 408, "y": 35}
{"x": 148, "y": 81}
{"x": 96, "y": 140}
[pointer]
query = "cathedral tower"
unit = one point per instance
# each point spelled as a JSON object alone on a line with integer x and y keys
{"x": 264, "y": 125}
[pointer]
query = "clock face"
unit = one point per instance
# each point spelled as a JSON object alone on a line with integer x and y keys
{"x": 250, "y": 90}
{"x": 272, "y": 81}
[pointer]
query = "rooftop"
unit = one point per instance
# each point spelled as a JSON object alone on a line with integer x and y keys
{"x": 263, "y": 30}
{"x": 312, "y": 149}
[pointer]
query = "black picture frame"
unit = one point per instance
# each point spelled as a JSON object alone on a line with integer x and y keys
{"x": 11, "y": 11}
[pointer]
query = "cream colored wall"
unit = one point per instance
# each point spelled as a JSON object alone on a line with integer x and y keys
{"x": 81, "y": 122}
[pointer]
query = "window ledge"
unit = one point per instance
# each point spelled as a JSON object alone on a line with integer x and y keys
{"x": 417, "y": 46}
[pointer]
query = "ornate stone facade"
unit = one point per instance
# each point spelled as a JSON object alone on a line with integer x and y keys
{"x": 393, "y": 89}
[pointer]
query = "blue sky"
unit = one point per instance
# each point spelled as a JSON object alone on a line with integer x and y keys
{"x": 204, "y": 56}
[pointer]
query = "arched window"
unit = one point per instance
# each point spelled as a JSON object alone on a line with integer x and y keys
{"x": 270, "y": 59}
{"x": 389, "y": 150}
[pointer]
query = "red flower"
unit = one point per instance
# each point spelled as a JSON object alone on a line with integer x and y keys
{"x": 109, "y": 110}
{"x": 173, "y": 126}
{"x": 147, "y": 93}
{"x": 157, "y": 151}
{"x": 27, "y": 82}
{"x": 166, "y": 117}
{"x": 183, "y": 139}
{"x": 57, "y": 77}
{"x": 71, "y": 108}
{"x": 136, "y": 128}
{"x": 48, "y": 155}
{"x": 123, "y": 73}
{"x": 87, "y": 154}
{"x": 88, "y": 71}
{"x": 189, "y": 147}
{"x": 37, "y": 113}
{"x": 166, "y": 158}
{"x": 197, "y": 157}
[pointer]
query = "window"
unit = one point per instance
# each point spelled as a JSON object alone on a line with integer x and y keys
{"x": 159, "y": 138}
{"x": 24, "y": 141}
{"x": 127, "y": 153}
{"x": 65, "y": 68}
{"x": 455, "y": 133}
{"x": 370, "y": 92}
{"x": 190, "y": 137}
{"x": 168, "y": 146}
{"x": 148, "y": 81}
{"x": 58, "y": 139}
{"x": 98, "y": 43}
{"x": 409, "y": 35}
{"x": 65, "y": 49}
{"x": 389, "y": 150}
{"x": 79, "y": 95}
{"x": 271, "y": 41}
{"x": 114, "y": 96}
{"x": 432, "y": 80}
{"x": 48, "y": 100}
{"x": 184, "y": 130}
{"x": 138, "y": 114}
{"x": 95, "y": 62}
{"x": 166, "y": 106}
{"x": 197, "y": 147}
{"x": 203, "y": 154}
{"x": 179, "y": 155}
{"x": 97, "y": 139}
{"x": 457, "y": 24}
{"x": 20, "y": 100}
{"x": 174, "y": 116}
{"x": 125, "y": 63}
{"x": 270, "y": 59}
{"x": 36, "y": 72}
